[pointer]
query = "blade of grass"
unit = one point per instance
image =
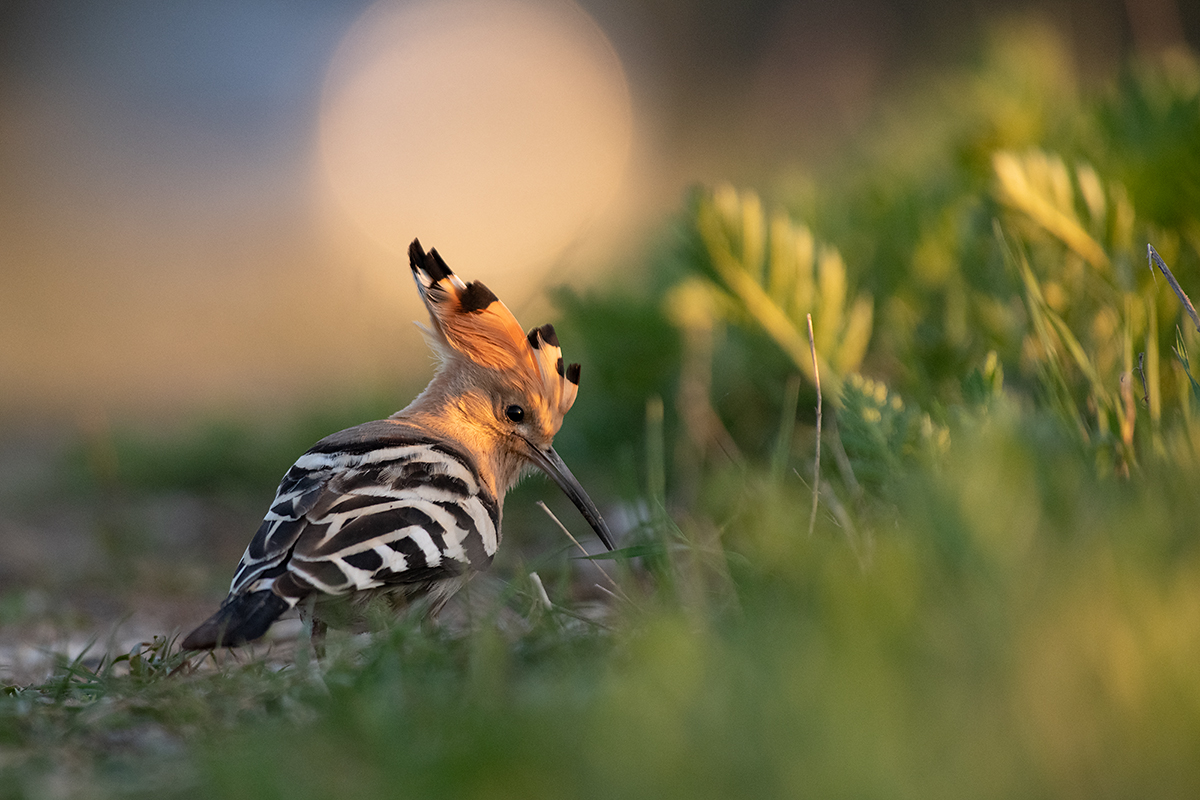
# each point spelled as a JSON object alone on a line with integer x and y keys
{"x": 1181, "y": 354}
{"x": 1141, "y": 371}
{"x": 812, "y": 517}
{"x": 541, "y": 590}
{"x": 787, "y": 427}
{"x": 1151, "y": 379}
{"x": 1051, "y": 369}
{"x": 575, "y": 541}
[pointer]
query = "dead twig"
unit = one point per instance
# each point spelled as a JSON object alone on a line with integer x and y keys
{"x": 1183, "y": 298}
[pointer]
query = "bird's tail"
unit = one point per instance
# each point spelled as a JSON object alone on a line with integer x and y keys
{"x": 242, "y": 618}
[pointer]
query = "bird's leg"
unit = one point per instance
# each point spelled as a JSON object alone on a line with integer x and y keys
{"x": 317, "y": 628}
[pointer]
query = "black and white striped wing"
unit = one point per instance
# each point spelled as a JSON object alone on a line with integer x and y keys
{"x": 370, "y": 507}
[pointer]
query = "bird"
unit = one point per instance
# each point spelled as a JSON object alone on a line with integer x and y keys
{"x": 410, "y": 506}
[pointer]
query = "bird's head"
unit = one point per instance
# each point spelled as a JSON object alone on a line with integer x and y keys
{"x": 499, "y": 390}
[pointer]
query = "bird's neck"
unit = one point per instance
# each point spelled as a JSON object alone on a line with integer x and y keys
{"x": 462, "y": 419}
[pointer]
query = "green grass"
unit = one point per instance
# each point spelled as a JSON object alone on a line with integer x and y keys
{"x": 1020, "y": 628}
{"x": 1001, "y": 597}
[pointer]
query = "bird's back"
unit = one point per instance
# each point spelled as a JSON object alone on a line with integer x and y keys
{"x": 380, "y": 506}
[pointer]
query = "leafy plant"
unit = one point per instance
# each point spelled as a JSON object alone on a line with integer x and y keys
{"x": 883, "y": 436}
{"x": 772, "y": 274}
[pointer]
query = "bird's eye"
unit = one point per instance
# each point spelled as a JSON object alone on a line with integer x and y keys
{"x": 515, "y": 413}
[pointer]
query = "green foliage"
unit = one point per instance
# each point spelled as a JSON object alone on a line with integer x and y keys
{"x": 1000, "y": 596}
{"x": 629, "y": 352}
{"x": 882, "y": 435}
{"x": 215, "y": 455}
{"x": 1181, "y": 353}
{"x": 1090, "y": 310}
{"x": 773, "y": 275}
{"x": 1024, "y": 642}
{"x": 984, "y": 385}
{"x": 1148, "y": 125}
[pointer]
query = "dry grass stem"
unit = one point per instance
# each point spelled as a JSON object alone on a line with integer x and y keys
{"x": 1141, "y": 368}
{"x": 842, "y": 459}
{"x": 563, "y": 528}
{"x": 861, "y": 545}
{"x": 608, "y": 592}
{"x": 541, "y": 590}
{"x": 812, "y": 346}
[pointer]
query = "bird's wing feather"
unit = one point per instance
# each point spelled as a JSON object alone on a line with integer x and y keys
{"x": 368, "y": 507}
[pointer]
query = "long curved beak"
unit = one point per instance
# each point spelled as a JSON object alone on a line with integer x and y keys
{"x": 552, "y": 465}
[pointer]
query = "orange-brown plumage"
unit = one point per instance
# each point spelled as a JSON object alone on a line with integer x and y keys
{"x": 411, "y": 505}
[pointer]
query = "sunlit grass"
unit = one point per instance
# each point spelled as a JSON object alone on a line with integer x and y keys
{"x": 1001, "y": 595}
{"x": 1022, "y": 628}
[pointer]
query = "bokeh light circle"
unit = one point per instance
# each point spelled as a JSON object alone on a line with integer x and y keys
{"x": 494, "y": 130}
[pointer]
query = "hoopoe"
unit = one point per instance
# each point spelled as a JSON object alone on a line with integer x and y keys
{"x": 410, "y": 505}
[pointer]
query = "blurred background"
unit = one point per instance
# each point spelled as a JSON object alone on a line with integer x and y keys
{"x": 204, "y": 212}
{"x": 205, "y": 206}
{"x": 204, "y": 209}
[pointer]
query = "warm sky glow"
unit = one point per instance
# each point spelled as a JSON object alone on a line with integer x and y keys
{"x": 494, "y": 130}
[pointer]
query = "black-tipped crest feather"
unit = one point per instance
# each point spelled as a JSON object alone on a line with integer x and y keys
{"x": 476, "y": 298}
{"x": 430, "y": 263}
